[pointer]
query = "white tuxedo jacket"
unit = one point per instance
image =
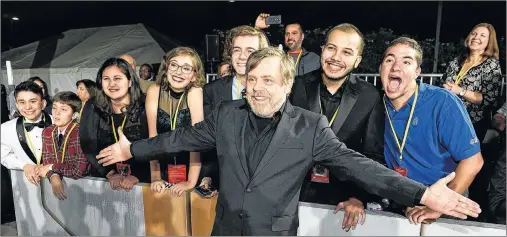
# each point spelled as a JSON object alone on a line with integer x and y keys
{"x": 13, "y": 156}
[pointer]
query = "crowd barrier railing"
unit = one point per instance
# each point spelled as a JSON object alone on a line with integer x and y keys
{"x": 92, "y": 208}
{"x": 316, "y": 219}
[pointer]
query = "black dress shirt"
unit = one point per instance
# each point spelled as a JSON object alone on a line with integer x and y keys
{"x": 330, "y": 102}
{"x": 258, "y": 134}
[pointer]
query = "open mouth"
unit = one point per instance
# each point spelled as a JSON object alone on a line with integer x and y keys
{"x": 394, "y": 83}
{"x": 113, "y": 90}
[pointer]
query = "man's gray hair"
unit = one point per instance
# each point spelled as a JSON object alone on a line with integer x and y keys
{"x": 287, "y": 66}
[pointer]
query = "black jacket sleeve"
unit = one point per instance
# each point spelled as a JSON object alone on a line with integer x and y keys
{"x": 374, "y": 133}
{"x": 207, "y": 99}
{"x": 88, "y": 139}
{"x": 347, "y": 164}
{"x": 373, "y": 147}
{"x": 200, "y": 137}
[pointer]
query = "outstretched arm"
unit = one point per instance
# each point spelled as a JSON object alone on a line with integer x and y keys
{"x": 381, "y": 181}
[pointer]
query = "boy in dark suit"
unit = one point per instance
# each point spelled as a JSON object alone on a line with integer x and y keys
{"x": 61, "y": 151}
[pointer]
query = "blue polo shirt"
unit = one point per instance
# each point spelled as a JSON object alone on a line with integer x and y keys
{"x": 440, "y": 135}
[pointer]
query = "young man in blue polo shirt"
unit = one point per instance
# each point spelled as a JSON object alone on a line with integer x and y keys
{"x": 428, "y": 131}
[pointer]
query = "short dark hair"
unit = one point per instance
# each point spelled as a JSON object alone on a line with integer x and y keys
{"x": 348, "y": 28}
{"x": 44, "y": 85}
{"x": 410, "y": 43}
{"x": 28, "y": 86}
{"x": 148, "y": 65}
{"x": 91, "y": 87}
{"x": 69, "y": 98}
{"x": 296, "y": 23}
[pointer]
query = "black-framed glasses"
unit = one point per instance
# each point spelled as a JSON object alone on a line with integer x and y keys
{"x": 185, "y": 69}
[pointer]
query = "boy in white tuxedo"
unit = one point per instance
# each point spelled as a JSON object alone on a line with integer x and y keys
{"x": 21, "y": 138}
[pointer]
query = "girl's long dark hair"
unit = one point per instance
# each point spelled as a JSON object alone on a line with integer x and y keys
{"x": 103, "y": 102}
{"x": 91, "y": 87}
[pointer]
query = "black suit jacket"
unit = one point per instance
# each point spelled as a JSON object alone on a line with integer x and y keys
{"x": 267, "y": 202}
{"x": 359, "y": 124}
{"x": 216, "y": 91}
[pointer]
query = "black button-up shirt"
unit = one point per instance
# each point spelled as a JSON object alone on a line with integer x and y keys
{"x": 330, "y": 102}
{"x": 258, "y": 134}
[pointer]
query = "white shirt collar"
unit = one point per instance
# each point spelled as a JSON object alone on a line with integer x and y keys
{"x": 63, "y": 132}
{"x": 37, "y": 120}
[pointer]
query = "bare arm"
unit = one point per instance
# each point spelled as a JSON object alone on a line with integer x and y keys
{"x": 152, "y": 95}
{"x": 195, "y": 104}
{"x": 465, "y": 173}
{"x": 473, "y": 97}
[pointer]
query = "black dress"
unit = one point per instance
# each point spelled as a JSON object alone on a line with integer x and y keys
{"x": 164, "y": 125}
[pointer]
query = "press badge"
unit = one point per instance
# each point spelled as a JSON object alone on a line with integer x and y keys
{"x": 176, "y": 173}
{"x": 320, "y": 174}
{"x": 401, "y": 170}
{"x": 123, "y": 169}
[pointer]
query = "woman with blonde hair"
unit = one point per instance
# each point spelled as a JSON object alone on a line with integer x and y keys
{"x": 176, "y": 101}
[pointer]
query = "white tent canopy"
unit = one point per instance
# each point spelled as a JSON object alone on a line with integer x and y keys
{"x": 78, "y": 54}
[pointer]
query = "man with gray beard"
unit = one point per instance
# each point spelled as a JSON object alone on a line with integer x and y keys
{"x": 265, "y": 147}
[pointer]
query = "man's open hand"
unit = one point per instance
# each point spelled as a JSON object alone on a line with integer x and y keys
{"x": 440, "y": 198}
{"x": 117, "y": 152}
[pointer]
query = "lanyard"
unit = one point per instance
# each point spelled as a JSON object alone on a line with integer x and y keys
{"x": 175, "y": 117}
{"x": 30, "y": 144}
{"x": 334, "y": 115}
{"x": 299, "y": 56}
{"x": 462, "y": 73}
{"x": 64, "y": 143}
{"x": 405, "y": 135}
{"x": 81, "y": 112}
{"x": 114, "y": 130}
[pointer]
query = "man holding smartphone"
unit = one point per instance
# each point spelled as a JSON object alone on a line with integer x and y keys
{"x": 305, "y": 61}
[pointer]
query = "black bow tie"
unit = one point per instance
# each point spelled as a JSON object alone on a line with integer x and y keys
{"x": 30, "y": 126}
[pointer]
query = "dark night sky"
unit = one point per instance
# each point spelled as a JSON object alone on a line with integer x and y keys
{"x": 189, "y": 21}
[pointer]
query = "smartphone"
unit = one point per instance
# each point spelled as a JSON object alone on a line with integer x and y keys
{"x": 274, "y": 20}
{"x": 205, "y": 192}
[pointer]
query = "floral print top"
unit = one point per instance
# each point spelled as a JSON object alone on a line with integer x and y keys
{"x": 484, "y": 78}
